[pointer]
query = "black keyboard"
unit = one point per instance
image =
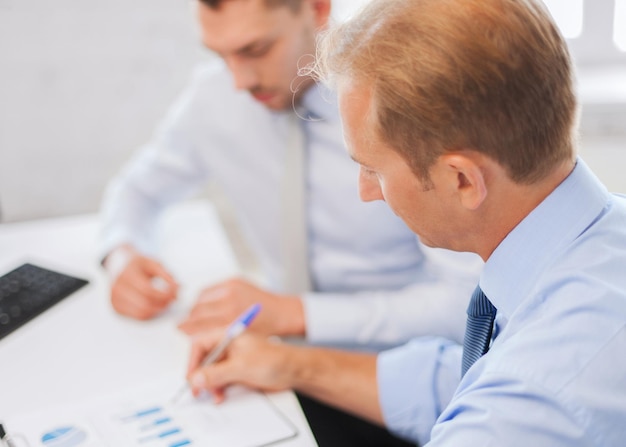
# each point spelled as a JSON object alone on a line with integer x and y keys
{"x": 28, "y": 291}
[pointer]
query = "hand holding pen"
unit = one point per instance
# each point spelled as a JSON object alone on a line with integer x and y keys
{"x": 234, "y": 330}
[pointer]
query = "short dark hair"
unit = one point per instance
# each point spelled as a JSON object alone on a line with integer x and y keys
{"x": 294, "y": 5}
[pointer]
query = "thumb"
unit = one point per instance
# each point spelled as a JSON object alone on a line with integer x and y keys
{"x": 214, "y": 379}
{"x": 201, "y": 345}
{"x": 155, "y": 269}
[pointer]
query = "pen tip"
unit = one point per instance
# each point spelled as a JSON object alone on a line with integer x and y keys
{"x": 178, "y": 395}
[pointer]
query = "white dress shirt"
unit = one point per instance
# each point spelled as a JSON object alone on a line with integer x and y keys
{"x": 374, "y": 283}
{"x": 555, "y": 375}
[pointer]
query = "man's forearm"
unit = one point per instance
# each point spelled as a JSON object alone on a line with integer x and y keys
{"x": 341, "y": 379}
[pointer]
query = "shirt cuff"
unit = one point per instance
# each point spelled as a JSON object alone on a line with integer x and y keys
{"x": 416, "y": 382}
{"x": 333, "y": 319}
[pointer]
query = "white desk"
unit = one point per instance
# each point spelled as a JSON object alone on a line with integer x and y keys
{"x": 81, "y": 347}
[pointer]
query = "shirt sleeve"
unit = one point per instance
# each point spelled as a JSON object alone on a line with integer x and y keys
{"x": 416, "y": 382}
{"x": 162, "y": 172}
{"x": 523, "y": 407}
{"x": 421, "y": 400}
{"x": 434, "y": 304}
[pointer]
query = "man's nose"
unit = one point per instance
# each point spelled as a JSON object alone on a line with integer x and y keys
{"x": 244, "y": 74}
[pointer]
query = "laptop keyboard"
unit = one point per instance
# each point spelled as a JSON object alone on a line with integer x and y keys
{"x": 28, "y": 291}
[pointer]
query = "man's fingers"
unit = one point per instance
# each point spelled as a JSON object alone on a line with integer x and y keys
{"x": 204, "y": 310}
{"x": 219, "y": 395}
{"x": 198, "y": 353}
{"x": 143, "y": 288}
{"x": 213, "y": 378}
{"x": 151, "y": 279}
{"x": 140, "y": 288}
{"x": 129, "y": 298}
{"x": 216, "y": 292}
{"x": 155, "y": 288}
{"x": 190, "y": 327}
{"x": 155, "y": 269}
{"x": 195, "y": 325}
{"x": 164, "y": 285}
{"x": 200, "y": 347}
{"x": 206, "y": 315}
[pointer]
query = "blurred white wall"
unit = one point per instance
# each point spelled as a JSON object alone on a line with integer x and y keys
{"x": 83, "y": 84}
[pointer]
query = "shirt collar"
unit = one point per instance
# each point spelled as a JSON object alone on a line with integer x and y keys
{"x": 512, "y": 270}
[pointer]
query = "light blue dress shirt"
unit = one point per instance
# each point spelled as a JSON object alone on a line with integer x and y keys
{"x": 375, "y": 283}
{"x": 555, "y": 375}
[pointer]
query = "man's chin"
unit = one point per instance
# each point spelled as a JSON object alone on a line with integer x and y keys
{"x": 279, "y": 106}
{"x": 275, "y": 100}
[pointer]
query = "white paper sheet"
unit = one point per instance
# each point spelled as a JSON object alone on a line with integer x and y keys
{"x": 146, "y": 417}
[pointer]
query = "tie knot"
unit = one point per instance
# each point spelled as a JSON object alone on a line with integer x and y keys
{"x": 480, "y": 318}
{"x": 480, "y": 304}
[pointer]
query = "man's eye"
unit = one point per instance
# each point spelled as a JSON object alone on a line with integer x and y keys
{"x": 258, "y": 51}
{"x": 368, "y": 171}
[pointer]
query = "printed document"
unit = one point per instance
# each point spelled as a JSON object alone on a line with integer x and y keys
{"x": 147, "y": 418}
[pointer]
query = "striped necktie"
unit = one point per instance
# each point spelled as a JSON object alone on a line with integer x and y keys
{"x": 480, "y": 317}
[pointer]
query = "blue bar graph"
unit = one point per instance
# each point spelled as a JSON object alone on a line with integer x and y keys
{"x": 161, "y": 435}
{"x": 156, "y": 423}
{"x": 149, "y": 411}
{"x": 142, "y": 413}
{"x": 155, "y": 428}
{"x": 181, "y": 443}
{"x": 162, "y": 421}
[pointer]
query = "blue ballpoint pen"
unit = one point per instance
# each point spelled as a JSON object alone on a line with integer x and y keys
{"x": 235, "y": 329}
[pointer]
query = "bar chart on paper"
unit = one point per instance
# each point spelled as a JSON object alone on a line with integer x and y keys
{"x": 148, "y": 419}
{"x": 151, "y": 426}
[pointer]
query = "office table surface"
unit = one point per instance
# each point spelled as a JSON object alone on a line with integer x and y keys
{"x": 81, "y": 347}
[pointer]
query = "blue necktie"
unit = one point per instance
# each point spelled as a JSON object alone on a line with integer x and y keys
{"x": 480, "y": 317}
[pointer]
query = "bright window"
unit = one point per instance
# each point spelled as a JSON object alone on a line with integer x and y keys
{"x": 596, "y": 29}
{"x": 620, "y": 24}
{"x": 569, "y": 16}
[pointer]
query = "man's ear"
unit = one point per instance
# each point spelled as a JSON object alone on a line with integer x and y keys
{"x": 467, "y": 177}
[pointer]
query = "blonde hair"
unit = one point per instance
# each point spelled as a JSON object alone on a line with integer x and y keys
{"x": 492, "y": 76}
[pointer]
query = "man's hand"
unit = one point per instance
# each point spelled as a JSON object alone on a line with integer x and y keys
{"x": 252, "y": 360}
{"x": 219, "y": 305}
{"x": 142, "y": 288}
{"x": 340, "y": 378}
